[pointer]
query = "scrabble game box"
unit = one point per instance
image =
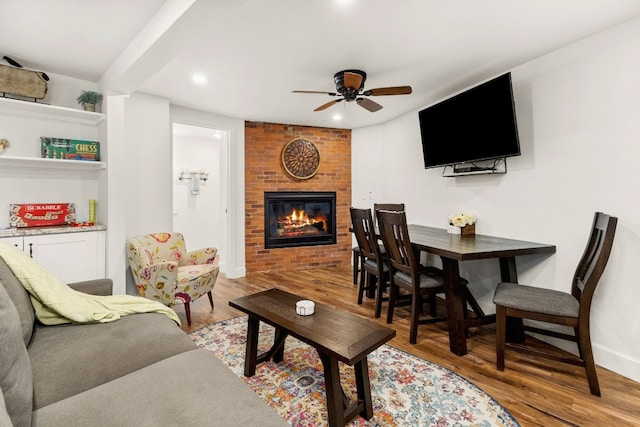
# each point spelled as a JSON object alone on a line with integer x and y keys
{"x": 41, "y": 214}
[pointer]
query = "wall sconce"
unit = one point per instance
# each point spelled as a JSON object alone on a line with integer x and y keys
{"x": 196, "y": 177}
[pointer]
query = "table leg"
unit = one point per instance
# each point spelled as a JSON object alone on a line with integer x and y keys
{"x": 278, "y": 345}
{"x": 361, "y": 369}
{"x": 335, "y": 406}
{"x": 509, "y": 273}
{"x": 455, "y": 306}
{"x": 251, "y": 354}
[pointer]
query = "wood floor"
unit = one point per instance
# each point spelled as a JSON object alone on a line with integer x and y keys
{"x": 536, "y": 392}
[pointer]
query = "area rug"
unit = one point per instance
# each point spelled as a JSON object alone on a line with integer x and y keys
{"x": 406, "y": 390}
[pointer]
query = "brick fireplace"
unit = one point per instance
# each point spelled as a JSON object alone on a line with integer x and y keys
{"x": 293, "y": 219}
{"x": 264, "y": 173}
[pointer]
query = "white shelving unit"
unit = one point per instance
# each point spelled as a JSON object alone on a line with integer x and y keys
{"x": 35, "y": 162}
{"x": 44, "y": 111}
{"x": 27, "y": 178}
{"x": 38, "y": 111}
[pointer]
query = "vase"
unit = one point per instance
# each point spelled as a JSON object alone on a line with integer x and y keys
{"x": 466, "y": 230}
{"x": 89, "y": 107}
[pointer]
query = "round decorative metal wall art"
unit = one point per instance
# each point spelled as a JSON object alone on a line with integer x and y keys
{"x": 301, "y": 158}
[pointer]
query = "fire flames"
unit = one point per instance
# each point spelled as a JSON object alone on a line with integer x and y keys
{"x": 298, "y": 223}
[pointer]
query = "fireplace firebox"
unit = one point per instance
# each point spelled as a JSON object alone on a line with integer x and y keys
{"x": 299, "y": 219}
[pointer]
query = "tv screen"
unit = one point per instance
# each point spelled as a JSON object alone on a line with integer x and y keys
{"x": 477, "y": 124}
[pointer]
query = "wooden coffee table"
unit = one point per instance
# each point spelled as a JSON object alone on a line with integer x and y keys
{"x": 337, "y": 336}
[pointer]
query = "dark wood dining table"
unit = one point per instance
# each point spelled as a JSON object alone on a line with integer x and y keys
{"x": 453, "y": 248}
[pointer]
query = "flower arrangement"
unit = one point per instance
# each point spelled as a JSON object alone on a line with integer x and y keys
{"x": 462, "y": 219}
{"x": 462, "y": 223}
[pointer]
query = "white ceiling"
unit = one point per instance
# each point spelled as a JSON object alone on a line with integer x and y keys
{"x": 253, "y": 53}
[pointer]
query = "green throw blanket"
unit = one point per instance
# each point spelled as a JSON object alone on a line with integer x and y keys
{"x": 56, "y": 303}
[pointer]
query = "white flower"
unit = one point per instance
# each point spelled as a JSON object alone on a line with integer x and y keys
{"x": 462, "y": 219}
{"x": 457, "y": 220}
{"x": 469, "y": 218}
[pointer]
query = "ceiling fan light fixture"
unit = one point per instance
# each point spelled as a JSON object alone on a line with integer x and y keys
{"x": 350, "y": 86}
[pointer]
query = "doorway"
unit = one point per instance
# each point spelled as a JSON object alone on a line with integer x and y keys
{"x": 200, "y": 187}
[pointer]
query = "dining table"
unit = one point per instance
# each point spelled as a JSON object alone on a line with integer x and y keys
{"x": 453, "y": 248}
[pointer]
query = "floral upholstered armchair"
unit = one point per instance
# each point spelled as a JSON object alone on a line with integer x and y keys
{"x": 164, "y": 271}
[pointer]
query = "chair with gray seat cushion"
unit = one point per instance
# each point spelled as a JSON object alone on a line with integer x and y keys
{"x": 375, "y": 267}
{"x": 406, "y": 272}
{"x": 561, "y": 308}
{"x": 358, "y": 259}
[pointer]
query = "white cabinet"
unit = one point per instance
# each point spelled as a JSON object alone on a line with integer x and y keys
{"x": 15, "y": 241}
{"x": 71, "y": 257}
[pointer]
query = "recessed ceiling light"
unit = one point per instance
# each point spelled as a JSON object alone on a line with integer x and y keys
{"x": 337, "y": 117}
{"x": 199, "y": 79}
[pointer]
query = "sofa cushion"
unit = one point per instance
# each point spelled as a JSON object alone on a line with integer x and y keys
{"x": 190, "y": 389}
{"x": 16, "y": 379}
{"x": 5, "y": 420}
{"x": 71, "y": 358}
{"x": 21, "y": 300}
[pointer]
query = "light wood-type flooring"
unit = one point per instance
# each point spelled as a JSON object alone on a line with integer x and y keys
{"x": 536, "y": 392}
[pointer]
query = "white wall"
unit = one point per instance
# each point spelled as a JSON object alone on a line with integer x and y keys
{"x": 148, "y": 165}
{"x": 234, "y": 256}
{"x": 199, "y": 217}
{"x": 579, "y": 121}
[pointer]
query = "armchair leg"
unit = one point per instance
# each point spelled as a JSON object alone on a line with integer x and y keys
{"x": 187, "y": 310}
{"x": 210, "y": 299}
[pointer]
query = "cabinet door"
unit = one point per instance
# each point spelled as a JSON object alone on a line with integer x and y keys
{"x": 72, "y": 257}
{"x": 15, "y": 241}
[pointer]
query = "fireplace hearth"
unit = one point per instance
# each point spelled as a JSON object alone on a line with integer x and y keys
{"x": 299, "y": 219}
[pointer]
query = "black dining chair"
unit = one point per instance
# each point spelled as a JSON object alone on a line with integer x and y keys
{"x": 358, "y": 259}
{"x": 375, "y": 268}
{"x": 557, "y": 307}
{"x": 388, "y": 207}
{"x": 357, "y": 264}
{"x": 406, "y": 273}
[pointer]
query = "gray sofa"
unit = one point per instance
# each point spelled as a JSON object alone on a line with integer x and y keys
{"x": 141, "y": 370}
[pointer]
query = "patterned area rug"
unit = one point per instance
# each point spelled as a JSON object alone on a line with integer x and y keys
{"x": 406, "y": 390}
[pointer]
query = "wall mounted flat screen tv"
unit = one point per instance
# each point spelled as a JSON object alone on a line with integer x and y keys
{"x": 477, "y": 124}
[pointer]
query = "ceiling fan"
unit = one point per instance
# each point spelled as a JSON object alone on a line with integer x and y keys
{"x": 350, "y": 87}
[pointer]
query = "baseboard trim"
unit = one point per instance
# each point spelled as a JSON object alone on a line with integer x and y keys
{"x": 616, "y": 362}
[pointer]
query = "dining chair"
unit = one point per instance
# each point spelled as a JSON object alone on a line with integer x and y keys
{"x": 387, "y": 207}
{"x": 561, "y": 308}
{"x": 357, "y": 264}
{"x": 358, "y": 259}
{"x": 375, "y": 268}
{"x": 406, "y": 272}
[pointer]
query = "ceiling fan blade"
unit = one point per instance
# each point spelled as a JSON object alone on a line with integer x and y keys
{"x": 314, "y": 91}
{"x": 328, "y": 104}
{"x": 368, "y": 104}
{"x": 352, "y": 80}
{"x": 395, "y": 90}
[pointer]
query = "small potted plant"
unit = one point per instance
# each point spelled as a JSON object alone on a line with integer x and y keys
{"x": 89, "y": 99}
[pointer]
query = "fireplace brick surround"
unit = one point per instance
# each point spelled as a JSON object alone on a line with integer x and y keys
{"x": 264, "y": 172}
